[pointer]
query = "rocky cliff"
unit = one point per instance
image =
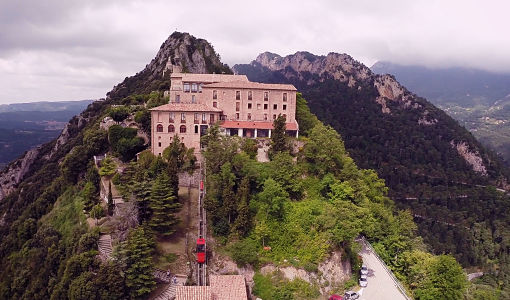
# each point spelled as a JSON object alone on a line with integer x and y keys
{"x": 180, "y": 49}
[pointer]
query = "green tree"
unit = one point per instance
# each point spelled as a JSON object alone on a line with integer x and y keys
{"x": 163, "y": 205}
{"x": 142, "y": 191}
{"x": 108, "y": 167}
{"x": 227, "y": 193}
{"x": 249, "y": 146}
{"x": 273, "y": 198}
{"x": 97, "y": 212}
{"x": 143, "y": 118}
{"x": 119, "y": 114}
{"x": 304, "y": 117}
{"x": 279, "y": 140}
{"x": 242, "y": 224}
{"x": 89, "y": 194}
{"x": 110, "y": 203}
{"x": 83, "y": 287}
{"x": 139, "y": 265}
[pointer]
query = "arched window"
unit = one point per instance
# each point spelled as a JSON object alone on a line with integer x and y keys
{"x": 171, "y": 128}
{"x": 159, "y": 128}
{"x": 183, "y": 129}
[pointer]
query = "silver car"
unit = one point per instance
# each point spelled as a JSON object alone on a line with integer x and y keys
{"x": 363, "y": 270}
{"x": 350, "y": 295}
{"x": 363, "y": 282}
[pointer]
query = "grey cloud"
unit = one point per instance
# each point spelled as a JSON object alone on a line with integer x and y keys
{"x": 70, "y": 49}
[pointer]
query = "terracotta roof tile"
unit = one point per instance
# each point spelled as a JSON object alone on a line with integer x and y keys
{"x": 253, "y": 125}
{"x": 186, "y": 107}
{"x": 209, "y": 77}
{"x": 251, "y": 85}
{"x": 193, "y": 293}
{"x": 228, "y": 287}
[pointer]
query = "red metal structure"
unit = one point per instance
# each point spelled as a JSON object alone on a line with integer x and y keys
{"x": 200, "y": 251}
{"x": 201, "y": 185}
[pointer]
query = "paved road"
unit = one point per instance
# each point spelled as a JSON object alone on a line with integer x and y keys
{"x": 380, "y": 285}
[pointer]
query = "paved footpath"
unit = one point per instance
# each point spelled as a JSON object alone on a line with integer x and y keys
{"x": 380, "y": 285}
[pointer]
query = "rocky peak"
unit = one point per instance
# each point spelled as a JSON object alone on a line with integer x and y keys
{"x": 182, "y": 51}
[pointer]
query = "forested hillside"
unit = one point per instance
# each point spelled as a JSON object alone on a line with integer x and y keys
{"x": 307, "y": 201}
{"x": 479, "y": 100}
{"x": 432, "y": 165}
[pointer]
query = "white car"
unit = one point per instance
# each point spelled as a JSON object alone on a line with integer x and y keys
{"x": 363, "y": 282}
{"x": 363, "y": 270}
{"x": 350, "y": 295}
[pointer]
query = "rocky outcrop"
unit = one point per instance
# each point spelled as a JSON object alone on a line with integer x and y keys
{"x": 331, "y": 273}
{"x": 14, "y": 173}
{"x": 471, "y": 157}
{"x": 183, "y": 50}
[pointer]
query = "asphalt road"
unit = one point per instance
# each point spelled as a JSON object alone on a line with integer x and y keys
{"x": 380, "y": 285}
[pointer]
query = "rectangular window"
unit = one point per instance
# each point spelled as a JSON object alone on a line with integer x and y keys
{"x": 249, "y": 95}
{"x": 215, "y": 104}
{"x": 183, "y": 118}
{"x": 284, "y": 97}
{"x": 204, "y": 120}
{"x": 237, "y": 116}
{"x": 274, "y": 117}
{"x": 196, "y": 118}
{"x": 265, "y": 106}
{"x": 193, "y": 99}
{"x": 171, "y": 117}
{"x": 215, "y": 94}
{"x": 238, "y": 95}
{"x": 238, "y": 106}
{"x": 275, "y": 106}
{"x": 159, "y": 144}
{"x": 186, "y": 87}
{"x": 285, "y": 107}
{"x": 265, "y": 117}
{"x": 194, "y": 87}
{"x": 258, "y": 105}
{"x": 196, "y": 128}
{"x": 211, "y": 118}
{"x": 177, "y": 98}
{"x": 249, "y": 116}
{"x": 249, "y": 105}
{"x": 266, "y": 96}
{"x": 200, "y": 88}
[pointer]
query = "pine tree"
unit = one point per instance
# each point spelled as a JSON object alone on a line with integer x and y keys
{"x": 142, "y": 192}
{"x": 228, "y": 196}
{"x": 110, "y": 199}
{"x": 164, "y": 205}
{"x": 279, "y": 142}
{"x": 242, "y": 223}
{"x": 139, "y": 265}
{"x": 108, "y": 167}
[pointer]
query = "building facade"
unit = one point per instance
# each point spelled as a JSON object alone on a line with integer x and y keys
{"x": 240, "y": 107}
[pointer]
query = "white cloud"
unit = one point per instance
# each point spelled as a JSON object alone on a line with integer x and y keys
{"x": 66, "y": 50}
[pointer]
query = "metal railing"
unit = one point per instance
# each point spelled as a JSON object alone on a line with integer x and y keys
{"x": 395, "y": 280}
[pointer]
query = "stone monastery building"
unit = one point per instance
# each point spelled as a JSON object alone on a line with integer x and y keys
{"x": 241, "y": 107}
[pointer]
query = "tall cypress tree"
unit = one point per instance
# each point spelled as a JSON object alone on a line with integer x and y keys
{"x": 139, "y": 277}
{"x": 242, "y": 223}
{"x": 110, "y": 199}
{"x": 163, "y": 205}
{"x": 279, "y": 142}
{"x": 142, "y": 191}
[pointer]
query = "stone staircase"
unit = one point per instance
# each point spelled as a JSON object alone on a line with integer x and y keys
{"x": 105, "y": 247}
{"x": 168, "y": 293}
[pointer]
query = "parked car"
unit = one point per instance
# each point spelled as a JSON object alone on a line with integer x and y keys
{"x": 363, "y": 270}
{"x": 350, "y": 295}
{"x": 335, "y": 297}
{"x": 363, "y": 282}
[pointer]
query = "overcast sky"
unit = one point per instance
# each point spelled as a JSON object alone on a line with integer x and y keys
{"x": 79, "y": 49}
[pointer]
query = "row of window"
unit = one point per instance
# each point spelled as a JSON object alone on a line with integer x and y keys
{"x": 275, "y": 106}
{"x": 178, "y": 99}
{"x": 265, "y": 116}
{"x": 250, "y": 95}
{"x": 192, "y": 87}
{"x": 171, "y": 128}
{"x": 171, "y": 117}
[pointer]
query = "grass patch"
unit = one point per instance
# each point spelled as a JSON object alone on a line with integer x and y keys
{"x": 275, "y": 286}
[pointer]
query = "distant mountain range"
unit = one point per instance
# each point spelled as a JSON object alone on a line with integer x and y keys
{"x": 478, "y": 99}
{"x": 26, "y": 125}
